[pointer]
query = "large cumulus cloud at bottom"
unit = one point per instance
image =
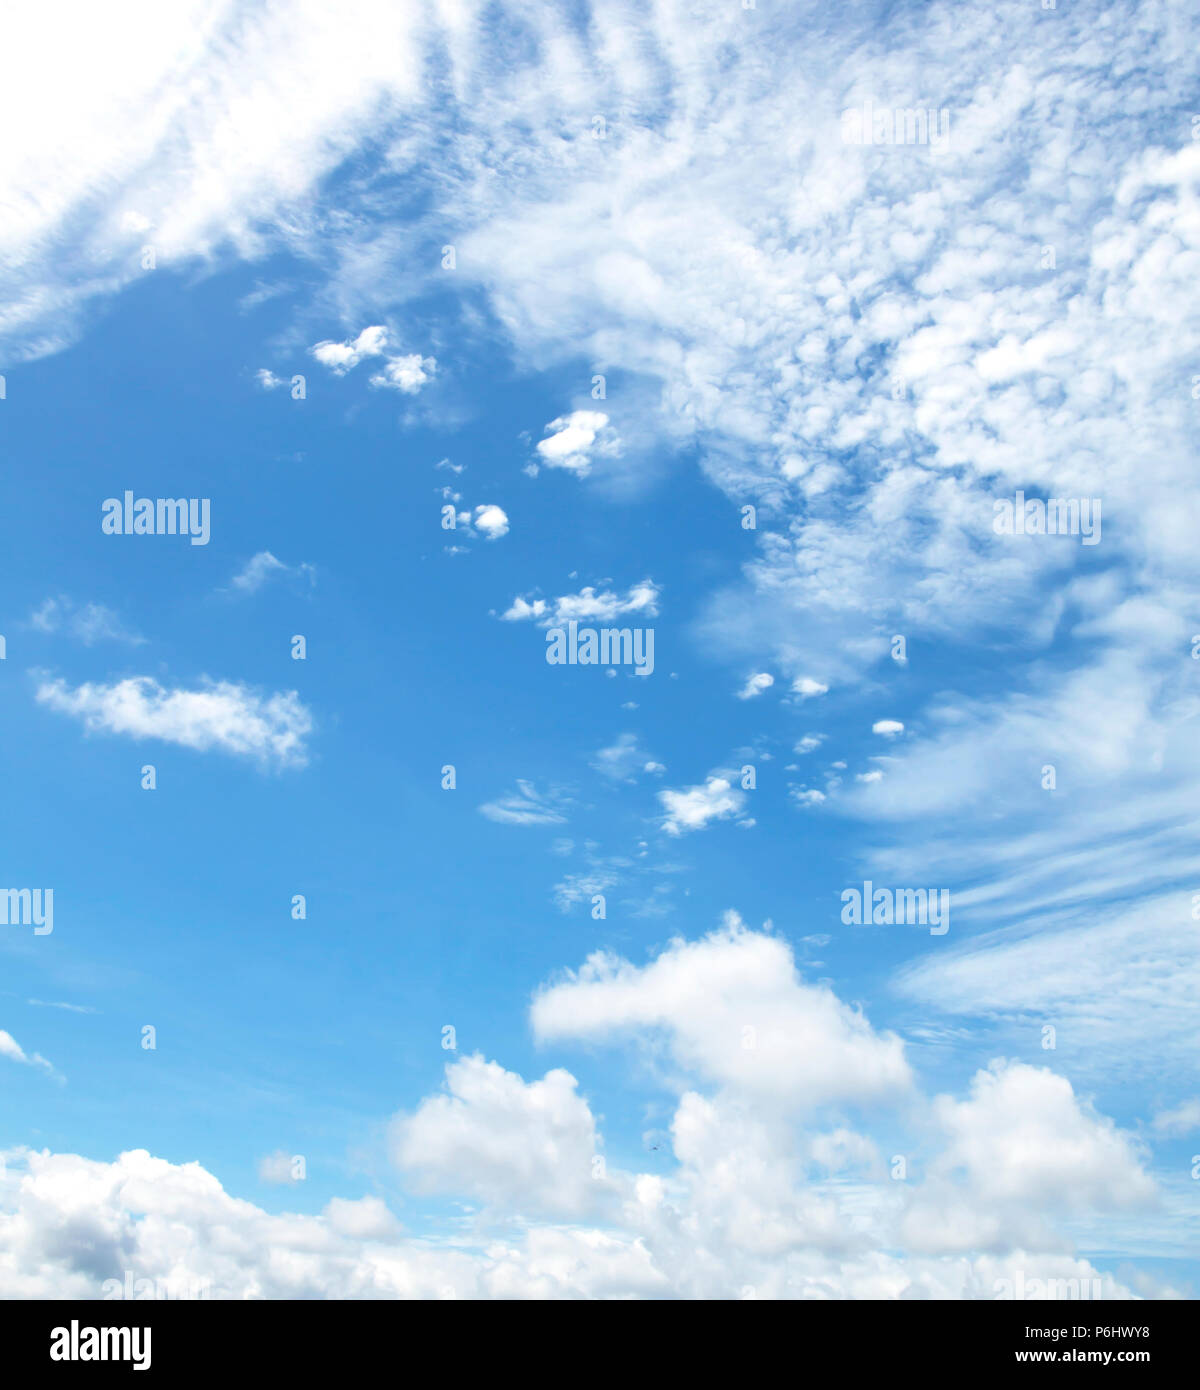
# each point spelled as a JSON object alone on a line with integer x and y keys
{"x": 807, "y": 1163}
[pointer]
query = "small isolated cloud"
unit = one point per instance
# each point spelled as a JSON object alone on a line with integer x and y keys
{"x": 406, "y": 374}
{"x": 526, "y": 806}
{"x": 807, "y": 796}
{"x": 623, "y": 759}
{"x": 808, "y": 743}
{"x": 587, "y": 606}
{"x": 342, "y": 357}
{"x": 222, "y": 715}
{"x": 1175, "y": 1123}
{"x": 889, "y": 728}
{"x": 278, "y": 1167}
{"x": 807, "y": 688}
{"x": 755, "y": 685}
{"x": 575, "y": 441}
{"x": 267, "y": 379}
{"x": 693, "y": 807}
{"x": 88, "y": 623}
{"x": 10, "y": 1048}
{"x": 873, "y": 776}
{"x": 263, "y": 566}
{"x": 490, "y": 521}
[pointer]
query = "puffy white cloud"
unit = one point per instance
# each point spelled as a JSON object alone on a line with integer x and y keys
{"x": 574, "y": 441}
{"x": 1023, "y": 1136}
{"x": 755, "y": 685}
{"x": 587, "y": 606}
{"x": 889, "y": 728}
{"x": 406, "y": 374}
{"x": 343, "y": 357}
{"x": 513, "y": 1144}
{"x": 491, "y": 521}
{"x": 735, "y": 1011}
{"x": 233, "y": 718}
{"x": 692, "y": 808}
{"x": 807, "y": 687}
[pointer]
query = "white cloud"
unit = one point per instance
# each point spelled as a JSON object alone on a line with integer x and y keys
{"x": 755, "y": 685}
{"x": 808, "y": 743}
{"x": 734, "y": 1011}
{"x": 267, "y": 379}
{"x": 223, "y": 715}
{"x": 277, "y": 1167}
{"x": 89, "y": 623}
{"x": 518, "y": 1145}
{"x": 889, "y": 728}
{"x": 807, "y": 687}
{"x": 491, "y": 521}
{"x": 526, "y": 806}
{"x": 691, "y": 808}
{"x": 406, "y": 374}
{"x": 10, "y": 1048}
{"x": 587, "y": 606}
{"x": 343, "y": 357}
{"x": 623, "y": 759}
{"x": 1182, "y": 1119}
{"x": 575, "y": 441}
{"x": 262, "y": 567}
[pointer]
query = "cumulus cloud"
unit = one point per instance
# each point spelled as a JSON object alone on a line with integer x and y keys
{"x": 491, "y": 521}
{"x": 343, "y": 357}
{"x": 587, "y": 606}
{"x": 692, "y": 808}
{"x": 575, "y": 441}
{"x": 763, "y": 1191}
{"x": 889, "y": 728}
{"x": 755, "y": 685}
{"x": 513, "y": 1144}
{"x": 406, "y": 374}
{"x": 270, "y": 729}
{"x": 735, "y": 1011}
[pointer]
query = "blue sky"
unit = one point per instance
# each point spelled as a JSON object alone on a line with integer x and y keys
{"x": 717, "y": 1088}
